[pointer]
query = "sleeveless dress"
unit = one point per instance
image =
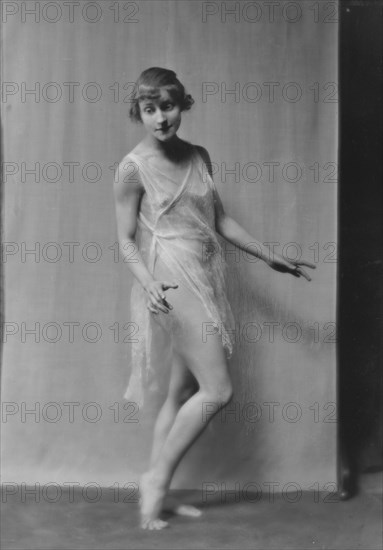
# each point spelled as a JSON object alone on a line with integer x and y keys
{"x": 177, "y": 240}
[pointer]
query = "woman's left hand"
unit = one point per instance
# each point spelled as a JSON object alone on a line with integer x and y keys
{"x": 291, "y": 266}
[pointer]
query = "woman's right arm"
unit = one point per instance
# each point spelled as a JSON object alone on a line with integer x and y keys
{"x": 128, "y": 191}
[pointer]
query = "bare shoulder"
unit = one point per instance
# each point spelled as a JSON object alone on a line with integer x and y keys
{"x": 127, "y": 178}
{"x": 203, "y": 152}
{"x": 205, "y": 157}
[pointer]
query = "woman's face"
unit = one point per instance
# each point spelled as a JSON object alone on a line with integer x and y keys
{"x": 161, "y": 117}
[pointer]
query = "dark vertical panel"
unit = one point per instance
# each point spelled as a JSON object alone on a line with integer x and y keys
{"x": 360, "y": 236}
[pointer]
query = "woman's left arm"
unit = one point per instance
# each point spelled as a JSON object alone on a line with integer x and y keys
{"x": 233, "y": 232}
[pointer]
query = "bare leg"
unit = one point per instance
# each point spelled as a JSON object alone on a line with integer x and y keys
{"x": 182, "y": 386}
{"x": 208, "y": 365}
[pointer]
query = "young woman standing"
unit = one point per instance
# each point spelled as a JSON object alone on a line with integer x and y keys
{"x": 169, "y": 212}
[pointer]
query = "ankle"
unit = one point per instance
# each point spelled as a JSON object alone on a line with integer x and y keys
{"x": 159, "y": 478}
{"x": 154, "y": 476}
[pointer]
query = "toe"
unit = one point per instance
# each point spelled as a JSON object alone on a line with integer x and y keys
{"x": 158, "y": 524}
{"x": 154, "y": 524}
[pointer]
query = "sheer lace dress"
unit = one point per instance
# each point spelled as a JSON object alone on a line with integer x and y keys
{"x": 176, "y": 238}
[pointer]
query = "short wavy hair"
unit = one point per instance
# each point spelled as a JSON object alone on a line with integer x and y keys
{"x": 148, "y": 87}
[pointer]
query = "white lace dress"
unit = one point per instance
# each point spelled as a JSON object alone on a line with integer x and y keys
{"x": 177, "y": 240}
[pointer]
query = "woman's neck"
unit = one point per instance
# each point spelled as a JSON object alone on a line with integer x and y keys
{"x": 173, "y": 149}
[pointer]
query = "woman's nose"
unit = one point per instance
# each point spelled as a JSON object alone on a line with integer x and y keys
{"x": 160, "y": 117}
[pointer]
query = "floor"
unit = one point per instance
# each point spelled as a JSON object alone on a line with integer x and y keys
{"x": 313, "y": 521}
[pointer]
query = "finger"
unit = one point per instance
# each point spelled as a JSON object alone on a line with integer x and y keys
{"x": 166, "y": 303}
{"x": 152, "y": 309}
{"x": 166, "y": 285}
{"x": 159, "y": 295}
{"x": 155, "y": 297}
{"x": 307, "y": 264}
{"x": 304, "y": 274}
{"x": 293, "y": 268}
{"x": 159, "y": 305}
{"x": 156, "y": 302}
{"x": 160, "y": 298}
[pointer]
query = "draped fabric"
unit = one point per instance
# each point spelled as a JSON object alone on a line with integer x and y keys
{"x": 180, "y": 228}
{"x": 265, "y": 91}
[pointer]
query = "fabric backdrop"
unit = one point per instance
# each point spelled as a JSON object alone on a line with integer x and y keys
{"x": 264, "y": 82}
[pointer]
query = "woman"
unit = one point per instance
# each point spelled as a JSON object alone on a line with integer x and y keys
{"x": 168, "y": 214}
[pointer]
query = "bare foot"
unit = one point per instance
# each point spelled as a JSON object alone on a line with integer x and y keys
{"x": 187, "y": 510}
{"x": 152, "y": 496}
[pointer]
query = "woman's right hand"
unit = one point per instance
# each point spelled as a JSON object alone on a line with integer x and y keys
{"x": 156, "y": 297}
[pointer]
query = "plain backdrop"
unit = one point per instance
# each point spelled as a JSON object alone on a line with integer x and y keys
{"x": 266, "y": 109}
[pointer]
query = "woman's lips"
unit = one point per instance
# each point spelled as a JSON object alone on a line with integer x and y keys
{"x": 164, "y": 129}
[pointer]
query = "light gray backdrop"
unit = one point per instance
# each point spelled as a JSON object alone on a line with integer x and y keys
{"x": 278, "y": 130}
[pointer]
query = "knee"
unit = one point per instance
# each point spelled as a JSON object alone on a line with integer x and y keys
{"x": 182, "y": 395}
{"x": 221, "y": 395}
{"x": 226, "y": 395}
